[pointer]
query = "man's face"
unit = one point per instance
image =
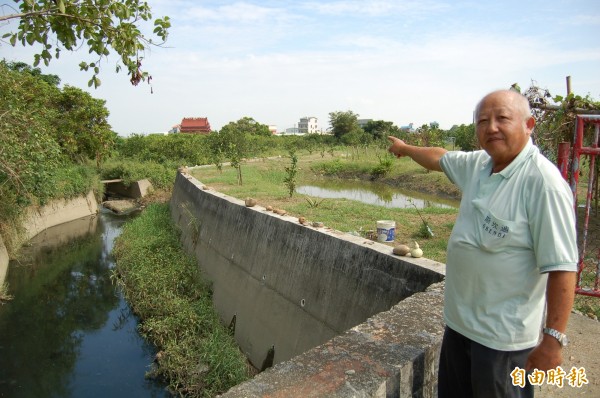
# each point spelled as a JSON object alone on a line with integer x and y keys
{"x": 502, "y": 128}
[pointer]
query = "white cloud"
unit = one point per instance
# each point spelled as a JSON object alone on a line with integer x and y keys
{"x": 374, "y": 8}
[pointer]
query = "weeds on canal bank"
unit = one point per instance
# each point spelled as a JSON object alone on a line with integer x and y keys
{"x": 196, "y": 354}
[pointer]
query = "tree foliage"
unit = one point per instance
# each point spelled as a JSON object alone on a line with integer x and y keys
{"x": 102, "y": 25}
{"x": 430, "y": 135}
{"x": 248, "y": 125}
{"x": 464, "y": 137}
{"x": 22, "y": 67}
{"x": 555, "y": 117}
{"x": 343, "y": 123}
{"x": 44, "y": 130}
{"x": 173, "y": 149}
{"x": 380, "y": 129}
{"x": 233, "y": 143}
{"x": 29, "y": 153}
{"x": 85, "y": 134}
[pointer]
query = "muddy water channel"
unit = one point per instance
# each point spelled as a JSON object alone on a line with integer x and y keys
{"x": 374, "y": 194}
{"x": 68, "y": 332}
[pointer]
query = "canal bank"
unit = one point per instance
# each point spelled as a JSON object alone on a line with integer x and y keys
{"x": 38, "y": 219}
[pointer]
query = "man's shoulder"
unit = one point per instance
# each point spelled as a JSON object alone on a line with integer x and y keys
{"x": 545, "y": 173}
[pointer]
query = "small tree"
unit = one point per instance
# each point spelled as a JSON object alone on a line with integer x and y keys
{"x": 235, "y": 145}
{"x": 291, "y": 172}
{"x": 343, "y": 123}
{"x": 216, "y": 150}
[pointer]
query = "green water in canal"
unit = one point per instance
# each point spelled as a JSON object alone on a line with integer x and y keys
{"x": 374, "y": 193}
{"x": 68, "y": 332}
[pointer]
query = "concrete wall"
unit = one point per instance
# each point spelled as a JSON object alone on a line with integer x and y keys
{"x": 393, "y": 354}
{"x": 58, "y": 212}
{"x": 137, "y": 189}
{"x": 3, "y": 261}
{"x": 54, "y": 213}
{"x": 295, "y": 287}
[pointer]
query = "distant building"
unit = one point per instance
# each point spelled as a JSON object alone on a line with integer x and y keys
{"x": 273, "y": 129}
{"x": 308, "y": 125}
{"x": 195, "y": 125}
{"x": 362, "y": 123}
{"x": 408, "y": 128}
{"x": 291, "y": 131}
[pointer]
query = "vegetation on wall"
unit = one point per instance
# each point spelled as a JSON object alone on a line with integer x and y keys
{"x": 47, "y": 150}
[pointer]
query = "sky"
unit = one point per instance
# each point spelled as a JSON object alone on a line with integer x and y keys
{"x": 405, "y": 61}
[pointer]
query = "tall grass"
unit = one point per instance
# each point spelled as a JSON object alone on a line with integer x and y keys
{"x": 197, "y": 356}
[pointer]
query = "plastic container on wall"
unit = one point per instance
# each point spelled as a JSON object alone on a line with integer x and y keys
{"x": 386, "y": 230}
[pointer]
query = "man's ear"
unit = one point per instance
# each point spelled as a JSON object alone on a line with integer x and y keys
{"x": 530, "y": 123}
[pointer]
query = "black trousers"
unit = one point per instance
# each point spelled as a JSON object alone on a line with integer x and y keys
{"x": 469, "y": 369}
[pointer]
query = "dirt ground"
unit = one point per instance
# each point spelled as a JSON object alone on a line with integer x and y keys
{"x": 583, "y": 351}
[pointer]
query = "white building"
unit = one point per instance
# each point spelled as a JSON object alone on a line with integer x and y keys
{"x": 291, "y": 131}
{"x": 308, "y": 125}
{"x": 362, "y": 123}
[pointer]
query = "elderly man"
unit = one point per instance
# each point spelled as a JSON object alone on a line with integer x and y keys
{"x": 512, "y": 254}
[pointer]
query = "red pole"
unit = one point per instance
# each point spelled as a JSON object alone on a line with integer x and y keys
{"x": 564, "y": 149}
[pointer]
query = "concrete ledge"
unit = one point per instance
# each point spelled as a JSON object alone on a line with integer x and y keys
{"x": 54, "y": 213}
{"x": 393, "y": 354}
{"x": 58, "y": 212}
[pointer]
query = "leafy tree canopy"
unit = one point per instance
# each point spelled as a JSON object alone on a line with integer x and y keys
{"x": 100, "y": 24}
{"x": 248, "y": 125}
{"x": 464, "y": 137}
{"x": 22, "y": 67}
{"x": 44, "y": 129}
{"x": 343, "y": 123}
{"x": 430, "y": 135}
{"x": 379, "y": 129}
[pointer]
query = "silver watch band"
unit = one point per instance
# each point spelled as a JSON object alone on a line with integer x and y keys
{"x": 561, "y": 337}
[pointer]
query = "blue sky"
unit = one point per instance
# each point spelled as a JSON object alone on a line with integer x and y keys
{"x": 403, "y": 61}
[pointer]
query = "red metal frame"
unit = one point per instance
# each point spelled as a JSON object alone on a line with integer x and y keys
{"x": 592, "y": 152}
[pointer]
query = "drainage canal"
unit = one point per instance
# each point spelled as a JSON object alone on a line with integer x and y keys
{"x": 68, "y": 332}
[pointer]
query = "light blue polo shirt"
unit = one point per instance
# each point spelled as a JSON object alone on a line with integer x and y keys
{"x": 512, "y": 228}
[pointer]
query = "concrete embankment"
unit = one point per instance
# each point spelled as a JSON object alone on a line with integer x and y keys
{"x": 337, "y": 314}
{"x": 54, "y": 213}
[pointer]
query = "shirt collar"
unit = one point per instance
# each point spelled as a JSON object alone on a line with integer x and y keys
{"x": 509, "y": 170}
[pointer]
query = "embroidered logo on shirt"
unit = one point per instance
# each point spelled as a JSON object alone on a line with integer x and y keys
{"x": 494, "y": 228}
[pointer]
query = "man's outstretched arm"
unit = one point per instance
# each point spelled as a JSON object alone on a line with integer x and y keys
{"x": 428, "y": 157}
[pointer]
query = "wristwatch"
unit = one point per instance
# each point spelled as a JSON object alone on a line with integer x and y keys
{"x": 561, "y": 337}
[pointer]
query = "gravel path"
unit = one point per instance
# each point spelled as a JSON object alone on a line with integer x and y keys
{"x": 583, "y": 351}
